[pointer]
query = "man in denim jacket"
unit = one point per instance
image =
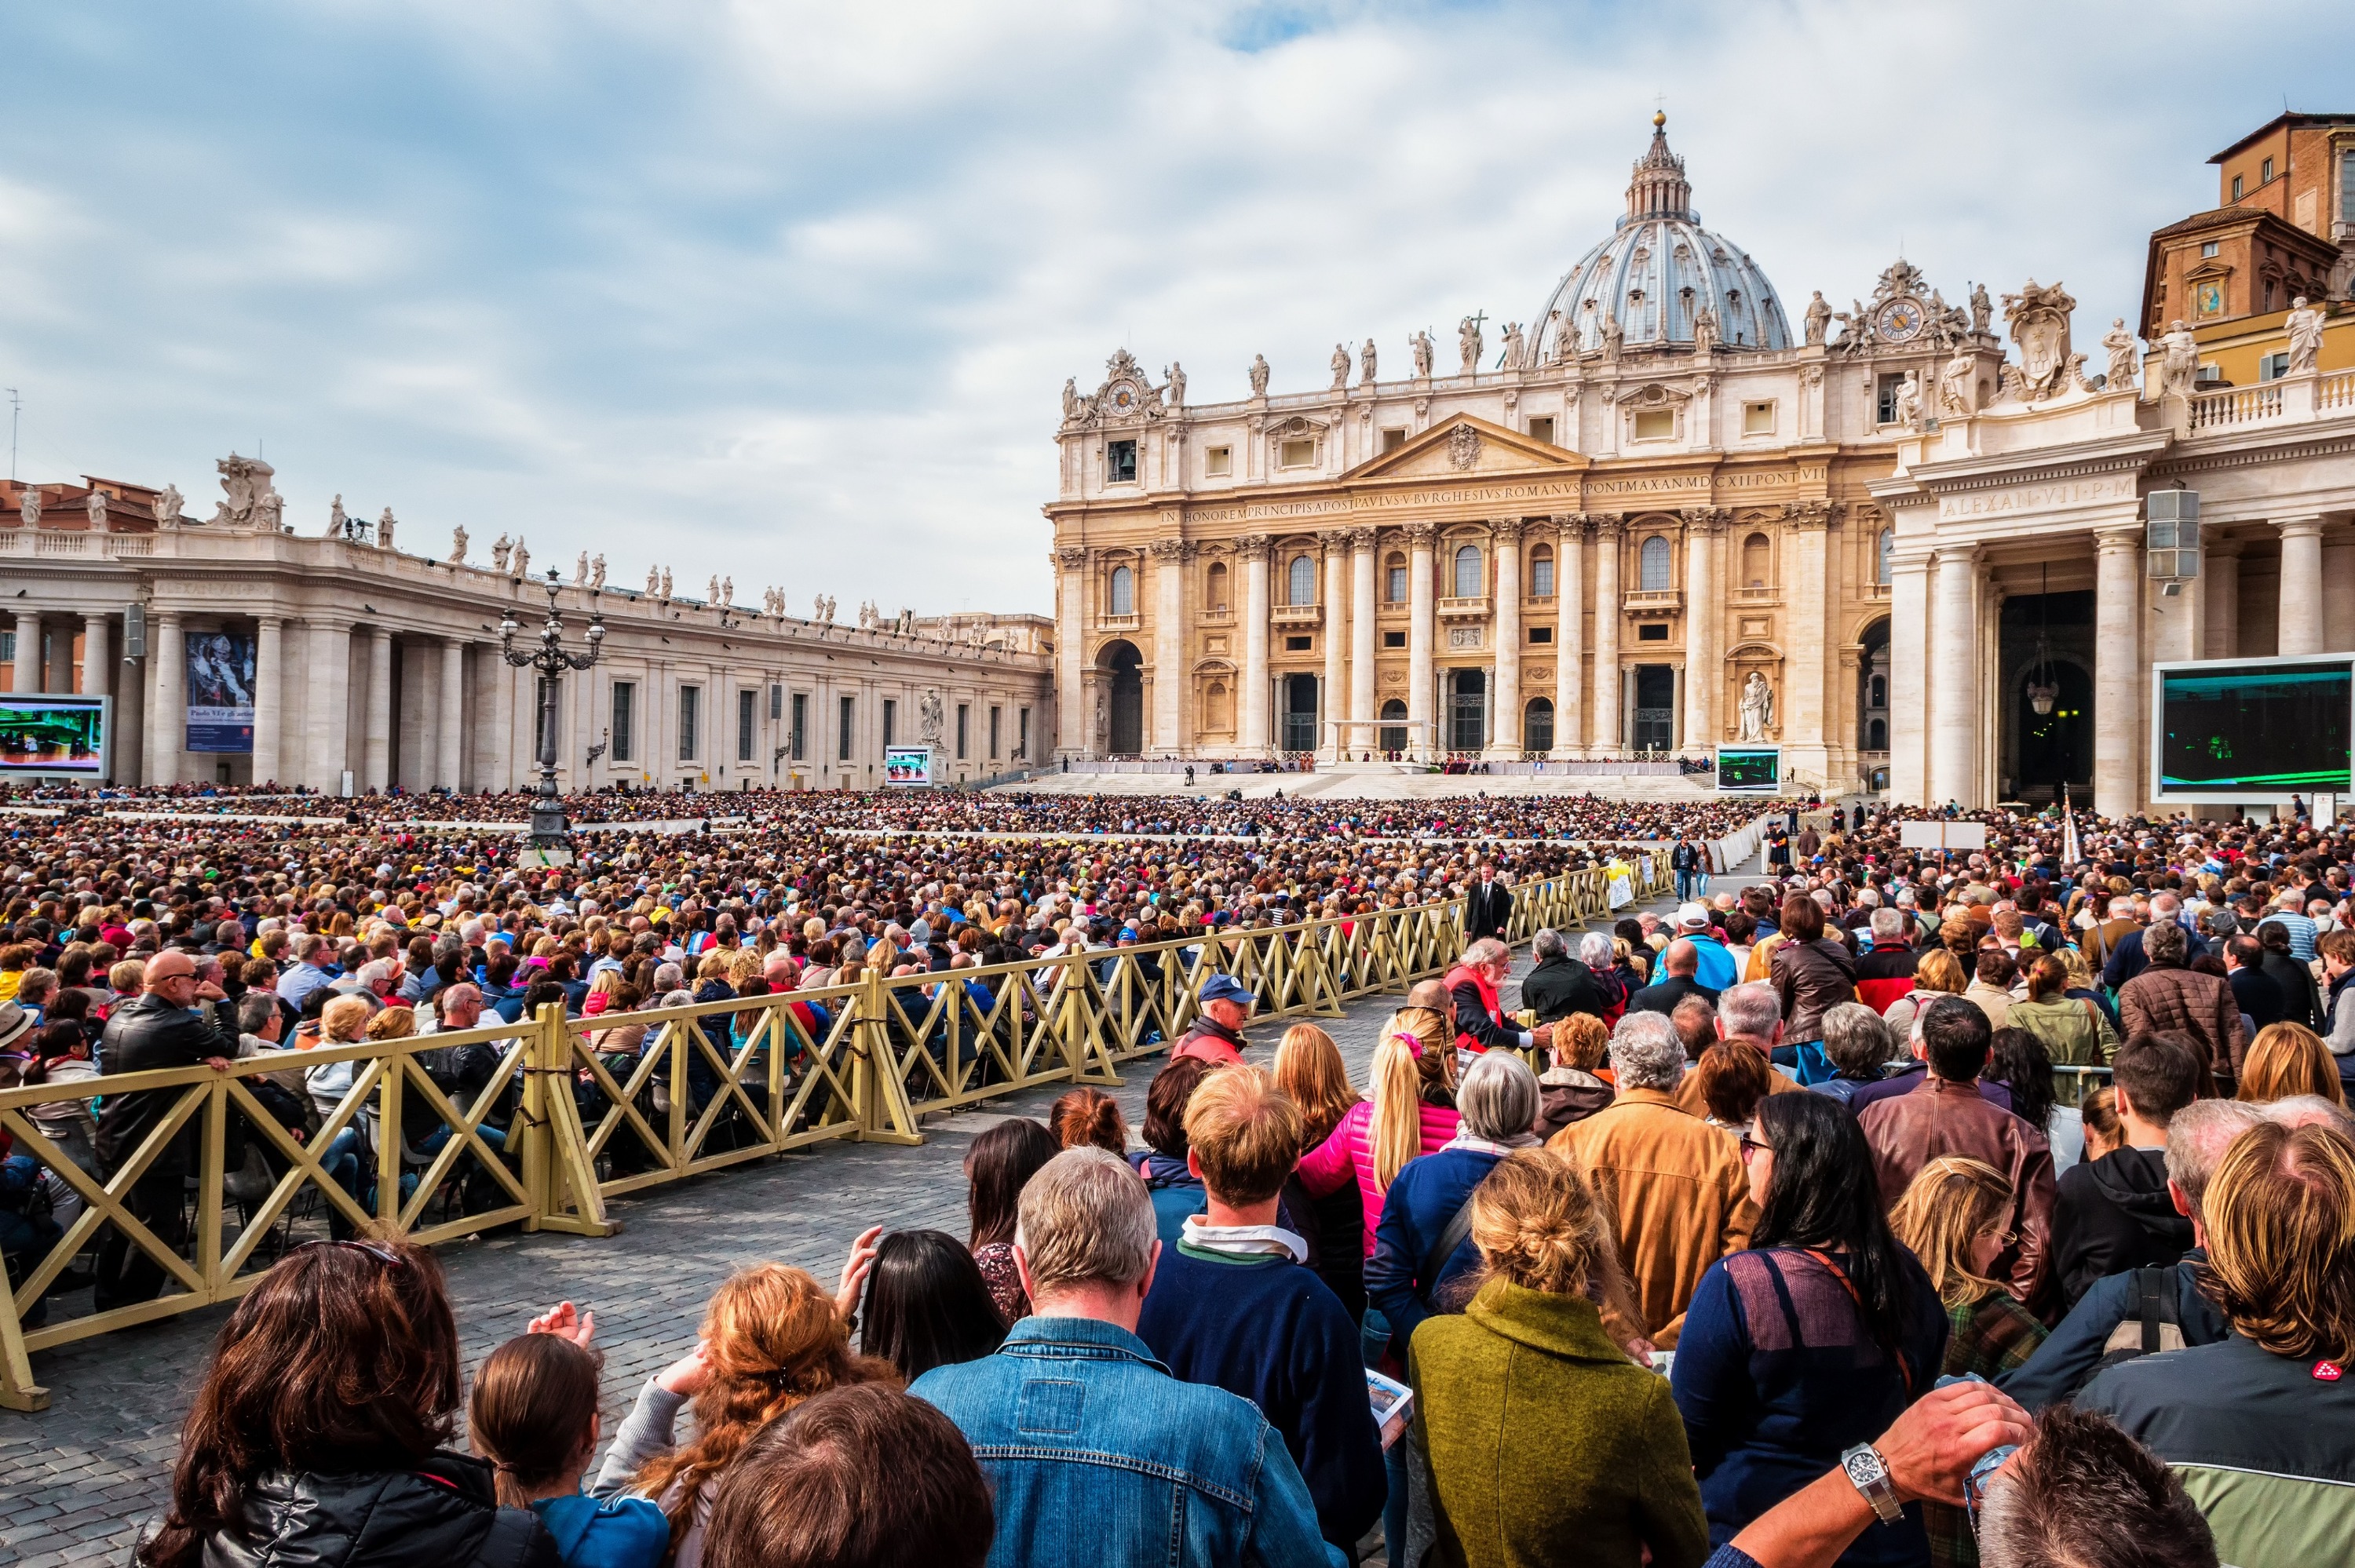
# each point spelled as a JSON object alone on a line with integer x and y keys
{"x": 1096, "y": 1457}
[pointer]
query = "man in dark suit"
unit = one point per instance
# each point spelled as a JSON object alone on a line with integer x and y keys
{"x": 1680, "y": 960}
{"x": 1488, "y": 907}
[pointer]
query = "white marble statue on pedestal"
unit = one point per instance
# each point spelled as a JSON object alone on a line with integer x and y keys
{"x": 2178, "y": 361}
{"x": 2304, "y": 324}
{"x": 1757, "y": 707}
{"x": 2124, "y": 359}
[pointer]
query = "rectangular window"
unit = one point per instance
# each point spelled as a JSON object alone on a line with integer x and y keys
{"x": 1656, "y": 632}
{"x": 1393, "y": 438}
{"x": 1885, "y": 399}
{"x": 1398, "y": 585}
{"x": 801, "y": 725}
{"x": 1542, "y": 430}
{"x": 1655, "y": 424}
{"x": 1022, "y": 732}
{"x": 690, "y": 721}
{"x": 1298, "y": 454}
{"x": 964, "y": 716}
{"x": 1541, "y": 578}
{"x": 625, "y": 738}
{"x": 1758, "y": 419}
{"x": 1296, "y": 644}
{"x": 2272, "y": 368}
{"x": 842, "y": 730}
{"x": 2207, "y": 249}
{"x": 1394, "y": 639}
{"x": 1541, "y": 633}
{"x": 2236, "y": 187}
{"x": 748, "y": 722}
{"x": 1119, "y": 463}
{"x": 776, "y": 703}
{"x": 993, "y": 714}
{"x": 2265, "y": 172}
{"x": 1217, "y": 462}
{"x": 8, "y": 648}
{"x": 890, "y": 720}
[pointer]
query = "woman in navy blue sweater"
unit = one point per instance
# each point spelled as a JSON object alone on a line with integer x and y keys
{"x": 1814, "y": 1340}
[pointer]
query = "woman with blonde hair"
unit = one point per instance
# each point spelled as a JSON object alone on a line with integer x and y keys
{"x": 771, "y": 1338}
{"x": 1545, "y": 1444}
{"x": 1939, "y": 973}
{"x": 1411, "y": 1110}
{"x": 1309, "y": 1070}
{"x": 2289, "y": 1059}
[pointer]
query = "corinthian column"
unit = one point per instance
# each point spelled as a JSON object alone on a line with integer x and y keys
{"x": 269, "y": 698}
{"x": 2301, "y": 586}
{"x": 1336, "y": 648}
{"x": 1809, "y": 595}
{"x": 1362, "y": 608}
{"x": 1419, "y": 627}
{"x": 1569, "y": 670}
{"x": 1602, "y": 713}
{"x": 1507, "y": 534}
{"x": 1071, "y": 658}
{"x": 1169, "y": 564}
{"x": 1702, "y": 654}
{"x": 452, "y": 715}
{"x": 376, "y": 740}
{"x": 27, "y": 675}
{"x": 1256, "y": 696}
{"x": 1955, "y": 679}
{"x": 1909, "y": 661}
{"x": 167, "y": 710}
{"x": 2117, "y": 669}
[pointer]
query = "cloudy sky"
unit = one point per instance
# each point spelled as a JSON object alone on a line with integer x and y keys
{"x": 790, "y": 292}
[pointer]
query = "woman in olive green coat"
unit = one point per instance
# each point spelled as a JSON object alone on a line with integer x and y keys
{"x": 2073, "y": 1030}
{"x": 1546, "y": 1444}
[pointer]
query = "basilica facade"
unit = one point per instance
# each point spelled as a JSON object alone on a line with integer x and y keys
{"x": 1655, "y": 518}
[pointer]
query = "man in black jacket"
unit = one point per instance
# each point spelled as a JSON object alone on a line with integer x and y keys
{"x": 1488, "y": 907}
{"x": 1559, "y": 985}
{"x": 1680, "y": 961}
{"x": 160, "y": 1028}
{"x": 2115, "y": 1213}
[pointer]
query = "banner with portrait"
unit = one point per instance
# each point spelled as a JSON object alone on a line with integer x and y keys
{"x": 221, "y": 681}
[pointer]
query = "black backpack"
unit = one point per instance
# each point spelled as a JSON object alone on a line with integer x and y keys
{"x": 2153, "y": 1323}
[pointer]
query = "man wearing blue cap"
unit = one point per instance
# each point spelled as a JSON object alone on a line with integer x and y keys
{"x": 1217, "y": 1036}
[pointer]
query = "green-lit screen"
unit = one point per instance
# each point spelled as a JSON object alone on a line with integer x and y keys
{"x": 2252, "y": 728}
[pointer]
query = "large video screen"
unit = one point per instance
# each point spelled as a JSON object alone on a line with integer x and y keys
{"x": 62, "y": 736}
{"x": 2256, "y": 729}
{"x": 1750, "y": 771}
{"x": 907, "y": 765}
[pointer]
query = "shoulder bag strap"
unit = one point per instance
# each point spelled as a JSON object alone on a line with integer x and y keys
{"x": 1904, "y": 1369}
{"x": 2148, "y": 1288}
{"x": 1450, "y": 1236}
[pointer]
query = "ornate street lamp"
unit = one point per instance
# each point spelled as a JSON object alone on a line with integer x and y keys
{"x": 2043, "y": 679}
{"x": 549, "y": 831}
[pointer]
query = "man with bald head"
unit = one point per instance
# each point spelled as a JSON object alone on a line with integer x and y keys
{"x": 170, "y": 1023}
{"x": 1682, "y": 960}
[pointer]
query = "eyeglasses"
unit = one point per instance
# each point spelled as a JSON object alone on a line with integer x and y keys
{"x": 389, "y": 1257}
{"x": 1974, "y": 1485}
{"x": 1750, "y": 1146}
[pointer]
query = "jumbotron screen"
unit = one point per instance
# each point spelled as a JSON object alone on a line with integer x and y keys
{"x": 2255, "y": 729}
{"x": 1755, "y": 770}
{"x": 53, "y": 735}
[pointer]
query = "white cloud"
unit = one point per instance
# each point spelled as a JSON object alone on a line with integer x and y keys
{"x": 788, "y": 292}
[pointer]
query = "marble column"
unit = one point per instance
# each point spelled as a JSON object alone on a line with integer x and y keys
{"x": 447, "y": 755}
{"x": 2338, "y": 592}
{"x": 2301, "y": 586}
{"x": 1803, "y": 721}
{"x": 1421, "y": 626}
{"x": 500, "y": 767}
{"x": 1337, "y": 647}
{"x": 1257, "y": 696}
{"x": 1568, "y": 665}
{"x": 1703, "y": 658}
{"x": 1170, "y": 563}
{"x": 1908, "y": 664}
{"x": 1955, "y": 679}
{"x": 26, "y": 674}
{"x": 323, "y": 730}
{"x": 375, "y": 741}
{"x": 2220, "y": 591}
{"x": 1603, "y": 712}
{"x": 167, "y": 710}
{"x": 2117, "y": 671}
{"x": 1071, "y": 737}
{"x": 1363, "y": 606}
{"x": 269, "y": 697}
{"x": 1506, "y": 535}
{"x": 97, "y": 655}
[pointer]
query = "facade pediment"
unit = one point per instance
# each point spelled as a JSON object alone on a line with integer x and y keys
{"x": 1461, "y": 446}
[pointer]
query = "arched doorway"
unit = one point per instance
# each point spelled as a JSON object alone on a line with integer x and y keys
{"x": 1536, "y": 725}
{"x": 1124, "y": 721}
{"x": 1872, "y": 689}
{"x": 1393, "y": 735}
{"x": 2055, "y": 748}
{"x": 1468, "y": 710}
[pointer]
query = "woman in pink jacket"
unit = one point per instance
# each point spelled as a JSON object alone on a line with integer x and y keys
{"x": 1411, "y": 1110}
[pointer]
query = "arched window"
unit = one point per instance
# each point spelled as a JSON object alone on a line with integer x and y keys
{"x": 1652, "y": 574}
{"x": 1879, "y": 691}
{"x": 1393, "y": 731}
{"x": 1216, "y": 715}
{"x": 1394, "y": 580}
{"x": 1756, "y": 557}
{"x": 1124, "y": 591}
{"x": 1888, "y": 555}
{"x": 1541, "y": 572}
{"x": 1303, "y": 583}
{"x": 1467, "y": 572}
{"x": 1214, "y": 593}
{"x": 1537, "y": 725}
{"x": 1877, "y": 737}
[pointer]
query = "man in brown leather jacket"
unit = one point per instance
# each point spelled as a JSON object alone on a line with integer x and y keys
{"x": 2167, "y": 996}
{"x": 1946, "y": 1115}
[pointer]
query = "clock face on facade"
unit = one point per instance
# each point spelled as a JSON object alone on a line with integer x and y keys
{"x": 1123, "y": 398}
{"x": 1899, "y": 319}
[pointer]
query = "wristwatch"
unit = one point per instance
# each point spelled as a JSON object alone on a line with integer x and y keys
{"x": 1869, "y": 1474}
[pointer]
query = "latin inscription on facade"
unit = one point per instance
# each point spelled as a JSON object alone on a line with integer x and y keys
{"x": 2055, "y": 497}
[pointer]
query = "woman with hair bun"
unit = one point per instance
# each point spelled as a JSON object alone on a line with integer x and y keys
{"x": 1546, "y": 1444}
{"x": 1080, "y": 1117}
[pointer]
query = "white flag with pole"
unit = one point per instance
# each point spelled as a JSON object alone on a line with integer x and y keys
{"x": 2071, "y": 853}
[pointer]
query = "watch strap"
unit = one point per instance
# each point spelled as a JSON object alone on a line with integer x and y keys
{"x": 1876, "y": 1487}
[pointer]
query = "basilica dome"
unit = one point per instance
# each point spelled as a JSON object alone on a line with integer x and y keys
{"x": 1658, "y": 270}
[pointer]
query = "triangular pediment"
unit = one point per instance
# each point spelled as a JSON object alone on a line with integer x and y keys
{"x": 1464, "y": 446}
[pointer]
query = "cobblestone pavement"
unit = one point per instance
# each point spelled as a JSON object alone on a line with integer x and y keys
{"x": 82, "y": 1476}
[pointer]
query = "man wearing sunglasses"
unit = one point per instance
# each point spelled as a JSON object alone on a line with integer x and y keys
{"x": 169, "y": 1024}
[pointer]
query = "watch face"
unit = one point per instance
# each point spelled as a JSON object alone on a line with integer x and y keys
{"x": 1899, "y": 319}
{"x": 1863, "y": 1466}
